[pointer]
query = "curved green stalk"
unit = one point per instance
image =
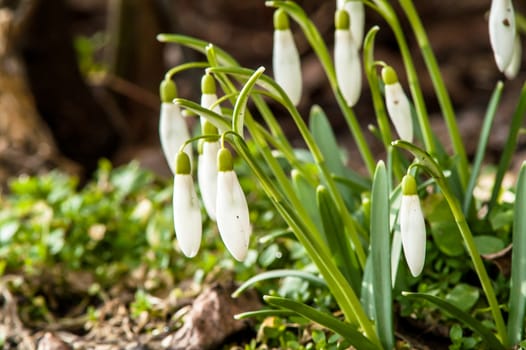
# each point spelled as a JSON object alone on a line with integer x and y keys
{"x": 378, "y": 103}
{"x": 278, "y": 274}
{"x": 440, "y": 88}
{"x": 374, "y": 84}
{"x": 185, "y": 66}
{"x": 430, "y": 165}
{"x": 238, "y": 115}
{"x": 224, "y": 57}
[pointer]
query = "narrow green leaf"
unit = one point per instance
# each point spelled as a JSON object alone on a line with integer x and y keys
{"x": 307, "y": 195}
{"x": 238, "y": 116}
{"x": 323, "y": 134}
{"x": 367, "y": 292}
{"x": 487, "y": 336}
{"x": 263, "y": 313}
{"x": 381, "y": 260}
{"x": 336, "y": 239}
{"x": 511, "y": 144}
{"x": 346, "y": 330}
{"x": 517, "y": 303}
{"x": 483, "y": 142}
{"x": 278, "y": 274}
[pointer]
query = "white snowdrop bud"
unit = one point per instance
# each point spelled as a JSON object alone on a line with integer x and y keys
{"x": 232, "y": 212}
{"x": 412, "y": 227}
{"x": 346, "y": 60}
{"x": 285, "y": 58}
{"x": 356, "y": 11}
{"x": 173, "y": 131}
{"x": 513, "y": 67}
{"x": 397, "y": 105}
{"x": 186, "y": 208}
{"x": 502, "y": 31}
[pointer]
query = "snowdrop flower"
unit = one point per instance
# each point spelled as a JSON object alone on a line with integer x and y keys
{"x": 502, "y": 31}
{"x": 207, "y": 170}
{"x": 513, "y": 67}
{"x": 231, "y": 208}
{"x": 173, "y": 131}
{"x": 356, "y": 11}
{"x": 186, "y": 208}
{"x": 285, "y": 58}
{"x": 346, "y": 59}
{"x": 412, "y": 226}
{"x": 397, "y": 105}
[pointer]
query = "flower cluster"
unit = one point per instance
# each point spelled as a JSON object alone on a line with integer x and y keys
{"x": 348, "y": 38}
{"x": 222, "y": 195}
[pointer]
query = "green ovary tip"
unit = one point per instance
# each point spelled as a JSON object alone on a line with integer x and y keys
{"x": 389, "y": 75}
{"x": 408, "y": 185}
{"x": 167, "y": 90}
{"x": 182, "y": 164}
{"x": 281, "y": 20}
{"x": 224, "y": 160}
{"x": 342, "y": 20}
{"x": 208, "y": 84}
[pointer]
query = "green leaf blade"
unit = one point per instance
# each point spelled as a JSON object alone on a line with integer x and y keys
{"x": 381, "y": 260}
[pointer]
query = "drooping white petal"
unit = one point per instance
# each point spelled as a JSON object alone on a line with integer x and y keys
{"x": 513, "y": 67}
{"x": 173, "y": 132}
{"x": 286, "y": 64}
{"x": 208, "y": 100}
{"x": 413, "y": 230}
{"x": 232, "y": 215}
{"x": 399, "y": 111}
{"x": 347, "y": 65}
{"x": 187, "y": 215}
{"x": 356, "y": 12}
{"x": 502, "y": 31}
{"x": 207, "y": 176}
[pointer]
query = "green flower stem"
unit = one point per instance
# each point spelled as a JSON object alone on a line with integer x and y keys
{"x": 440, "y": 88}
{"x": 342, "y": 291}
{"x": 478, "y": 264}
{"x": 429, "y": 164}
{"x": 318, "y": 45}
{"x": 198, "y": 45}
{"x": 185, "y": 66}
{"x": 390, "y": 17}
